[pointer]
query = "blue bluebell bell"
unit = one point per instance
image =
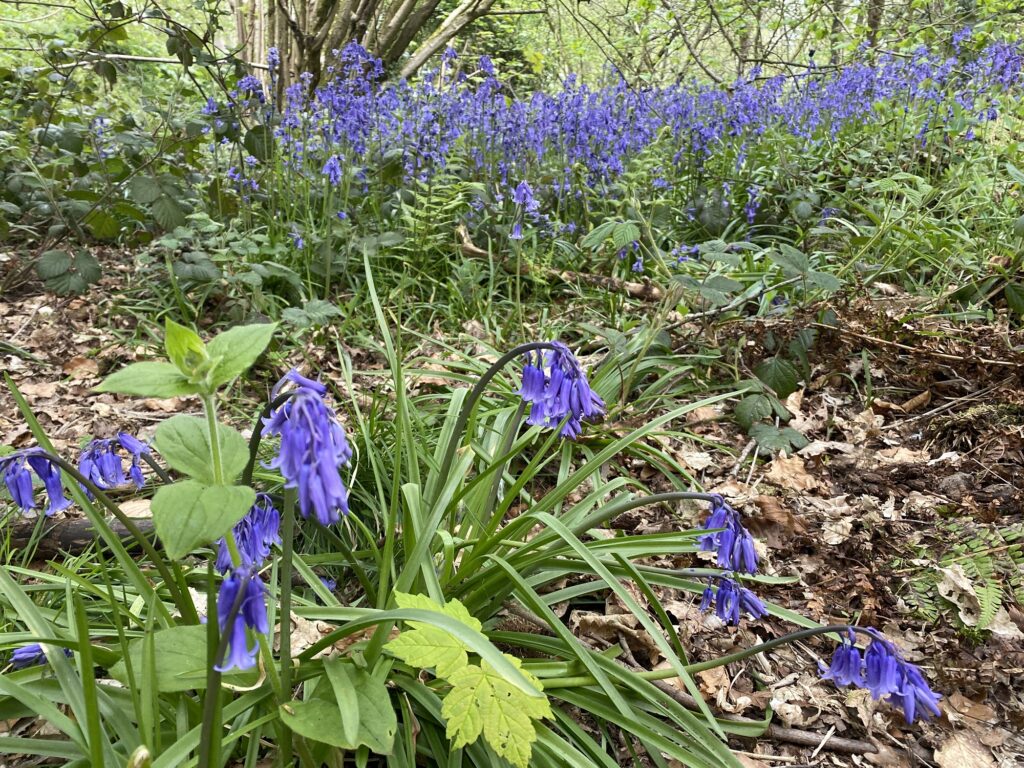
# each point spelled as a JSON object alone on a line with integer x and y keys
{"x": 557, "y": 389}
{"x": 28, "y": 656}
{"x": 135, "y": 449}
{"x": 332, "y": 170}
{"x": 733, "y": 543}
{"x": 17, "y": 469}
{"x": 273, "y": 58}
{"x": 884, "y": 672}
{"x": 102, "y": 464}
{"x": 255, "y": 534}
{"x": 245, "y": 588}
{"x": 730, "y": 600}
{"x": 313, "y": 448}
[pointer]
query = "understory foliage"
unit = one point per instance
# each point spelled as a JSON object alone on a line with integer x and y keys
{"x": 186, "y": 654}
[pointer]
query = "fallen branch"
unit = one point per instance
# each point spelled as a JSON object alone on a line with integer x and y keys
{"x": 71, "y": 534}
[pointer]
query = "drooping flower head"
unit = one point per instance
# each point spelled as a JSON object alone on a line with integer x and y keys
{"x": 313, "y": 448}
{"x": 17, "y": 469}
{"x": 247, "y": 590}
{"x": 883, "y": 671}
{"x": 733, "y": 543}
{"x": 101, "y": 461}
{"x": 255, "y": 534}
{"x": 31, "y": 655}
{"x": 556, "y": 388}
{"x": 731, "y": 600}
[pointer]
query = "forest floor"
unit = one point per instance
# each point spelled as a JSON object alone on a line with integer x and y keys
{"x": 906, "y": 515}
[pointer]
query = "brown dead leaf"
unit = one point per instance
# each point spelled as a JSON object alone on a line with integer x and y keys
{"x": 790, "y": 473}
{"x": 137, "y": 508}
{"x": 609, "y": 628}
{"x": 776, "y": 524}
{"x": 818, "y": 447}
{"x": 713, "y": 680}
{"x": 82, "y": 368}
{"x": 163, "y": 405}
{"x": 963, "y": 749}
{"x": 39, "y": 389}
{"x": 918, "y": 401}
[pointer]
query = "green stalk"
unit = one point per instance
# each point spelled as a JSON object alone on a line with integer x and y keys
{"x": 285, "y": 618}
{"x": 210, "y": 406}
{"x": 665, "y": 674}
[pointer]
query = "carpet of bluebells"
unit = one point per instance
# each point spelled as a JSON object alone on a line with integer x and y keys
{"x": 543, "y": 166}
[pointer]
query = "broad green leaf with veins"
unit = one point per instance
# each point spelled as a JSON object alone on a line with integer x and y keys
{"x": 482, "y": 701}
{"x": 424, "y": 646}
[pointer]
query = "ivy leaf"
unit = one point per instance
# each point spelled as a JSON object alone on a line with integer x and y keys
{"x": 483, "y": 702}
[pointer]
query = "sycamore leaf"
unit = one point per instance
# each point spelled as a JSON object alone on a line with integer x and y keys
{"x": 423, "y": 645}
{"x": 483, "y": 702}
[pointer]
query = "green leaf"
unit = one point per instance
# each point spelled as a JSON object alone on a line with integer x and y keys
{"x": 364, "y": 707}
{"x": 751, "y": 409}
{"x": 260, "y": 142}
{"x": 772, "y": 439}
{"x": 168, "y": 213}
{"x": 779, "y": 374}
{"x": 180, "y": 661}
{"x": 313, "y": 313}
{"x": 425, "y": 646}
{"x": 144, "y": 189}
{"x": 237, "y": 348}
{"x": 51, "y": 264}
{"x": 184, "y": 443}
{"x": 197, "y": 267}
{"x": 189, "y": 514}
{"x": 148, "y": 380}
{"x": 625, "y": 234}
{"x": 184, "y": 347}
{"x": 102, "y": 225}
{"x": 1014, "y": 293}
{"x": 483, "y": 702}
{"x": 793, "y": 262}
{"x": 824, "y": 280}
{"x": 66, "y": 274}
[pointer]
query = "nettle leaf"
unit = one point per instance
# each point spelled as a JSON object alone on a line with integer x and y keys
{"x": 197, "y": 267}
{"x": 751, "y": 409}
{"x": 179, "y": 661}
{"x": 773, "y": 439}
{"x": 794, "y": 262}
{"x": 313, "y": 313}
{"x": 189, "y": 514}
{"x": 184, "y": 443}
{"x": 102, "y": 225}
{"x": 1014, "y": 294}
{"x": 168, "y": 213}
{"x": 144, "y": 189}
{"x": 482, "y": 702}
{"x": 234, "y": 350}
{"x": 625, "y": 234}
{"x": 779, "y": 374}
{"x": 149, "y": 380}
{"x": 66, "y": 274}
{"x": 425, "y": 646}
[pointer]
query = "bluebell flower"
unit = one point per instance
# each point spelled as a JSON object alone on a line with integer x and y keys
{"x": 331, "y": 584}
{"x": 31, "y": 655}
{"x": 273, "y": 58}
{"x": 731, "y": 600}
{"x": 556, "y": 388}
{"x": 517, "y": 231}
{"x": 884, "y": 672}
{"x": 255, "y": 534}
{"x": 101, "y": 464}
{"x": 246, "y": 589}
{"x": 135, "y": 448}
{"x": 332, "y": 170}
{"x": 733, "y": 543}
{"x": 17, "y": 470}
{"x": 313, "y": 448}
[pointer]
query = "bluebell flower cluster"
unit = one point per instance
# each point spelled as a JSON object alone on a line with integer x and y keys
{"x": 31, "y": 655}
{"x": 255, "y": 534}
{"x": 883, "y": 671}
{"x": 17, "y": 469}
{"x": 241, "y": 605}
{"x": 557, "y": 390}
{"x": 313, "y": 448}
{"x": 730, "y": 600}
{"x": 101, "y": 462}
{"x": 241, "y": 601}
{"x": 729, "y": 539}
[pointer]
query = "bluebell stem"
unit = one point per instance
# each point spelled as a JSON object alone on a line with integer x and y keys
{"x": 18, "y": 479}
{"x": 884, "y": 672}
{"x": 731, "y": 600}
{"x": 556, "y": 387}
{"x": 734, "y": 544}
{"x": 248, "y": 591}
{"x": 255, "y": 534}
{"x": 313, "y": 449}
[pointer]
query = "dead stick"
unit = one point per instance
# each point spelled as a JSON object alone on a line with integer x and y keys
{"x": 72, "y": 534}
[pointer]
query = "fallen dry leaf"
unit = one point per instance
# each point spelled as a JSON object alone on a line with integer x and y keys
{"x": 963, "y": 749}
{"x": 790, "y": 473}
{"x": 82, "y": 368}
